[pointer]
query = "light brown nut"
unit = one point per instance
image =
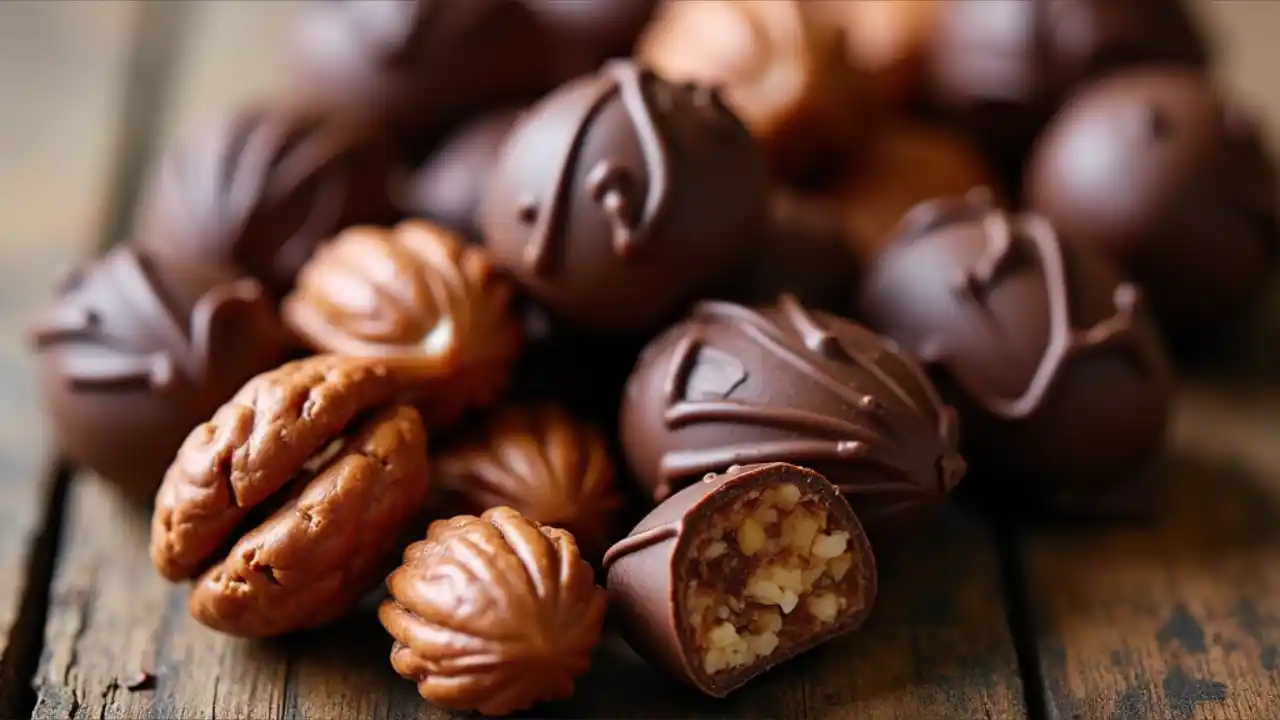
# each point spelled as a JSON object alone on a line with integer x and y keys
{"x": 540, "y": 461}
{"x": 420, "y": 295}
{"x": 331, "y": 541}
{"x": 493, "y": 613}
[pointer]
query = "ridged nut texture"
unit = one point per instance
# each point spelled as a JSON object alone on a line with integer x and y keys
{"x": 493, "y": 613}
{"x": 412, "y": 292}
{"x": 542, "y": 462}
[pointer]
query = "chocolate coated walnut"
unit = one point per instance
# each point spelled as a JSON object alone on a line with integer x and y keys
{"x": 415, "y": 293}
{"x": 334, "y": 469}
{"x": 542, "y": 462}
{"x": 493, "y": 613}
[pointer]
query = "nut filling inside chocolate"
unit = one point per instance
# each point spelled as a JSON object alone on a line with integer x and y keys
{"x": 768, "y": 570}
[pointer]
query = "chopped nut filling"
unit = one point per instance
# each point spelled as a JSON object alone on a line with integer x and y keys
{"x": 766, "y": 571}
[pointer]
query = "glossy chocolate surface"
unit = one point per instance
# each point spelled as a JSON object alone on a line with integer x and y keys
{"x": 256, "y": 194}
{"x": 1155, "y": 169}
{"x": 127, "y": 372}
{"x": 1060, "y": 376}
{"x": 621, "y": 197}
{"x": 732, "y": 385}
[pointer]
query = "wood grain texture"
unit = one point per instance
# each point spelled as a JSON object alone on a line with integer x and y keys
{"x": 62, "y": 74}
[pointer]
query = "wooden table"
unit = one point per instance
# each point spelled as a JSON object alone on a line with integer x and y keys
{"x": 1179, "y": 618}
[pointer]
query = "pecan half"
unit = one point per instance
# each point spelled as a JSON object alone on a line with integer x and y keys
{"x": 418, "y": 294}
{"x": 318, "y": 450}
{"x": 493, "y": 613}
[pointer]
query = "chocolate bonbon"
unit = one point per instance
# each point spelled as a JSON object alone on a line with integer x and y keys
{"x": 1154, "y": 168}
{"x": 1004, "y": 66}
{"x": 621, "y": 197}
{"x": 588, "y": 33}
{"x": 420, "y": 295}
{"x": 1060, "y": 376}
{"x": 887, "y": 40}
{"x": 126, "y": 371}
{"x": 420, "y": 66}
{"x": 783, "y": 70}
{"x": 447, "y": 188}
{"x": 739, "y": 572}
{"x": 493, "y": 613}
{"x": 541, "y": 461}
{"x": 733, "y": 385}
{"x": 256, "y": 193}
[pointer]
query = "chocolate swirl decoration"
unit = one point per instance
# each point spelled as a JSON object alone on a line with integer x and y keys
{"x": 886, "y": 403}
{"x": 1011, "y": 241}
{"x": 140, "y": 342}
{"x": 612, "y": 185}
{"x": 418, "y": 293}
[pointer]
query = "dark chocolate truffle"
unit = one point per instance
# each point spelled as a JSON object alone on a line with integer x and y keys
{"x": 586, "y": 33}
{"x": 447, "y": 188}
{"x": 1060, "y": 376}
{"x": 621, "y": 197}
{"x": 258, "y": 192}
{"x": 1004, "y": 66}
{"x": 740, "y": 572}
{"x": 127, "y": 371}
{"x": 733, "y": 385}
{"x": 781, "y": 67}
{"x": 1155, "y": 169}
{"x": 421, "y": 65}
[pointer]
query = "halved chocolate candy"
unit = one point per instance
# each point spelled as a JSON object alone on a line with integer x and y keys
{"x": 740, "y": 572}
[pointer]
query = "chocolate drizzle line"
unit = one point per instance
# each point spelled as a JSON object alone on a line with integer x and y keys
{"x": 608, "y": 182}
{"x": 1004, "y": 244}
{"x": 823, "y": 438}
{"x": 641, "y": 541}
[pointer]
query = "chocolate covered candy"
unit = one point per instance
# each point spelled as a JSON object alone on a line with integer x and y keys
{"x": 739, "y": 572}
{"x": 540, "y": 461}
{"x": 493, "y": 613}
{"x": 887, "y": 40}
{"x": 587, "y": 33}
{"x": 780, "y": 66}
{"x": 419, "y": 295}
{"x": 733, "y": 385}
{"x": 1061, "y": 379}
{"x": 127, "y": 371}
{"x": 258, "y": 192}
{"x": 1155, "y": 169}
{"x": 447, "y": 188}
{"x": 622, "y": 197}
{"x": 1004, "y": 66}
{"x": 421, "y": 65}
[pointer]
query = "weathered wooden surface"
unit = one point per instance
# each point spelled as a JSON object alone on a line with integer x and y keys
{"x": 62, "y": 76}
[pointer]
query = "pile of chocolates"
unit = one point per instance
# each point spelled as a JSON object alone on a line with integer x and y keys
{"x": 778, "y": 274}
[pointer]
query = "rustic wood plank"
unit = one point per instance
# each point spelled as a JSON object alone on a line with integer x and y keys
{"x": 62, "y": 70}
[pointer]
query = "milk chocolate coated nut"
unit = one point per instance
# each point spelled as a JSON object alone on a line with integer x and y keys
{"x": 414, "y": 292}
{"x": 259, "y": 191}
{"x": 330, "y": 541}
{"x": 739, "y": 572}
{"x": 253, "y": 447}
{"x": 493, "y": 613}
{"x": 540, "y": 461}
{"x": 127, "y": 372}
{"x": 781, "y": 68}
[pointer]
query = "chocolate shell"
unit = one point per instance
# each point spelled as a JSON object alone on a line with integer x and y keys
{"x": 257, "y": 193}
{"x": 622, "y": 197}
{"x": 1155, "y": 169}
{"x": 781, "y": 67}
{"x": 127, "y": 372}
{"x": 732, "y": 385}
{"x": 739, "y": 572}
{"x": 421, "y": 66}
{"x": 447, "y": 188}
{"x": 1002, "y": 67}
{"x": 1060, "y": 376}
